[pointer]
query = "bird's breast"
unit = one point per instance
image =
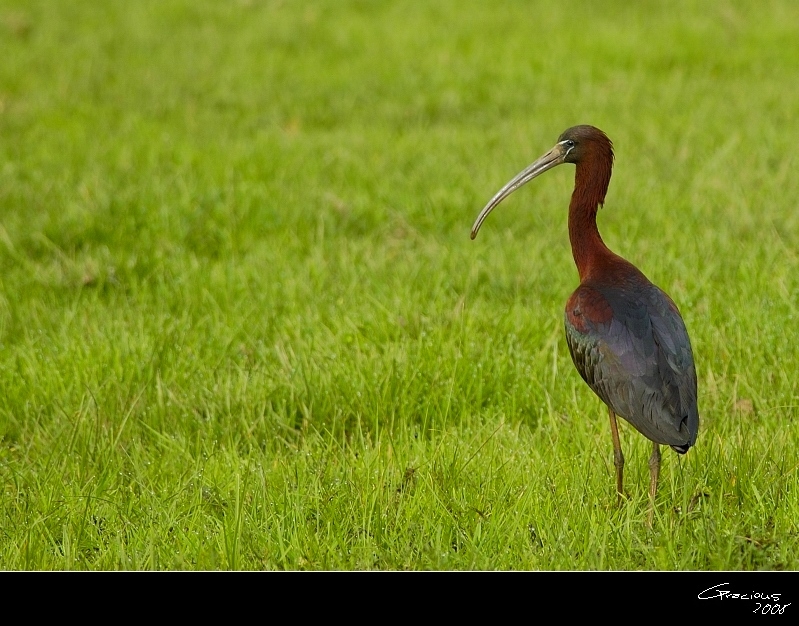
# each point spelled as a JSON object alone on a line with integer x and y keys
{"x": 587, "y": 308}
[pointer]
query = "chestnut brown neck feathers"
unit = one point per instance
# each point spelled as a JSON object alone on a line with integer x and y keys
{"x": 594, "y": 165}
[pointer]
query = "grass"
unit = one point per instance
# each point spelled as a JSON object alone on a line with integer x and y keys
{"x": 242, "y": 324}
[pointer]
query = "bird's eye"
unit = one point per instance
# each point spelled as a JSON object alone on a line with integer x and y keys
{"x": 569, "y": 143}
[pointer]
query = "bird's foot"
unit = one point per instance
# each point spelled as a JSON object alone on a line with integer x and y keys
{"x": 650, "y": 518}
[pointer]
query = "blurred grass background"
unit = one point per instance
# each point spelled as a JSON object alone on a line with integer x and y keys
{"x": 242, "y": 324}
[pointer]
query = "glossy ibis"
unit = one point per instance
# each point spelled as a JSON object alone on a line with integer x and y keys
{"x": 625, "y": 335}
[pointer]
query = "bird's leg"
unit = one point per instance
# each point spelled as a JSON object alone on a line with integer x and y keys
{"x": 618, "y": 457}
{"x": 654, "y": 472}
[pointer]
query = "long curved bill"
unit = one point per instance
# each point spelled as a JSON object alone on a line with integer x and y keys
{"x": 552, "y": 158}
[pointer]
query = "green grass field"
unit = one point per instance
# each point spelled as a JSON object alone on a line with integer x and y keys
{"x": 242, "y": 325}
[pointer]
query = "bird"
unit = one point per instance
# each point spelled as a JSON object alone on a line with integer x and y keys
{"x": 625, "y": 335}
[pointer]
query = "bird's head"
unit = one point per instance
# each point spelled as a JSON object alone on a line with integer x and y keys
{"x": 578, "y": 144}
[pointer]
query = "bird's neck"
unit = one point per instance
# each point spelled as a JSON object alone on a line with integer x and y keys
{"x": 589, "y": 251}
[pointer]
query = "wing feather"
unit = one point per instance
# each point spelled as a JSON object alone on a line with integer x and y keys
{"x": 632, "y": 348}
